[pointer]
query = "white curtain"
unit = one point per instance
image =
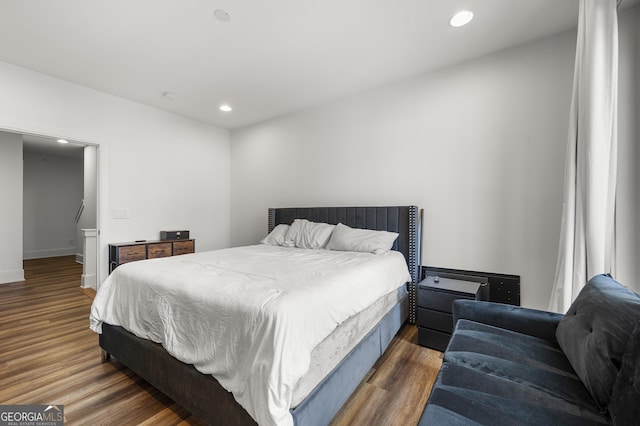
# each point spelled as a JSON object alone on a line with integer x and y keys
{"x": 588, "y": 216}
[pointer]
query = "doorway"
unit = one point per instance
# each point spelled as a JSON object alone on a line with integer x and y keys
{"x": 59, "y": 201}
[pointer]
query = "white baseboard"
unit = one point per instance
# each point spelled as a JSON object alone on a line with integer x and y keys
{"x": 79, "y": 258}
{"x": 89, "y": 281}
{"x": 39, "y": 254}
{"x": 11, "y": 276}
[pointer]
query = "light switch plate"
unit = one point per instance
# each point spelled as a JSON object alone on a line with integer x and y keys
{"x": 121, "y": 213}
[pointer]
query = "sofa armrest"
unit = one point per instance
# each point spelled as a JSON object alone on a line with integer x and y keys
{"x": 533, "y": 322}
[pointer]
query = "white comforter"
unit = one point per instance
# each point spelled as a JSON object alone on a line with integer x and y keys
{"x": 250, "y": 316}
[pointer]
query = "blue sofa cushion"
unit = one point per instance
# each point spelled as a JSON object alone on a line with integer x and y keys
{"x": 518, "y": 358}
{"x": 624, "y": 407}
{"x": 466, "y": 396}
{"x": 471, "y": 336}
{"x": 594, "y": 333}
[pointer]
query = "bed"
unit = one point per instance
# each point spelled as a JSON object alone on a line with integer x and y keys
{"x": 326, "y": 391}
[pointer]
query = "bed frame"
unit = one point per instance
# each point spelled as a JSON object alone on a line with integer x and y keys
{"x": 204, "y": 397}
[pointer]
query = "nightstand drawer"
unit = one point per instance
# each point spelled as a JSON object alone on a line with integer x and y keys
{"x": 437, "y": 300}
{"x": 183, "y": 247}
{"x": 434, "y": 319}
{"x": 159, "y": 250}
{"x": 132, "y": 253}
{"x": 433, "y": 339}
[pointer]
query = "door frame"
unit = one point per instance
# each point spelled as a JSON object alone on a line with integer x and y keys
{"x": 100, "y": 158}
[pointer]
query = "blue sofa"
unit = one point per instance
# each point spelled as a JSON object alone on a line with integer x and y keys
{"x": 508, "y": 365}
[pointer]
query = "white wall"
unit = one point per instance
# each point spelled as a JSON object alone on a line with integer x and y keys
{"x": 11, "y": 208}
{"x": 169, "y": 171}
{"x": 480, "y": 146}
{"x": 52, "y": 193}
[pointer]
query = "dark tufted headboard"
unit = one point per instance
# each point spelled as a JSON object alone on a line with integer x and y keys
{"x": 405, "y": 220}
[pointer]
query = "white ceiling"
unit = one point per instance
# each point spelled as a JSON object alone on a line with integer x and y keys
{"x": 274, "y": 57}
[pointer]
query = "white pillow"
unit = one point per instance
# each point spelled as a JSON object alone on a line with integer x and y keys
{"x": 345, "y": 238}
{"x": 305, "y": 234}
{"x": 276, "y": 236}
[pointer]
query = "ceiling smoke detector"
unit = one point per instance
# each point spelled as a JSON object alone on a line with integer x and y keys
{"x": 222, "y": 15}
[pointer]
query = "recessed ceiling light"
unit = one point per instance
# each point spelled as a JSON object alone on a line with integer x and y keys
{"x": 461, "y": 18}
{"x": 169, "y": 96}
{"x": 225, "y": 108}
{"x": 63, "y": 141}
{"x": 222, "y": 15}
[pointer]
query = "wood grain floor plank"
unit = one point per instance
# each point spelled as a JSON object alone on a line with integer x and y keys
{"x": 48, "y": 355}
{"x": 398, "y": 387}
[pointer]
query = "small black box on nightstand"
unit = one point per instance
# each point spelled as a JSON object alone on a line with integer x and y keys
{"x": 174, "y": 235}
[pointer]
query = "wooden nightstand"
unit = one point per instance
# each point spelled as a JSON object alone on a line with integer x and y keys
{"x": 435, "y": 300}
{"x": 120, "y": 253}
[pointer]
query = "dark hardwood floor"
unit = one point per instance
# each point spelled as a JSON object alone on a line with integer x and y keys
{"x": 48, "y": 355}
